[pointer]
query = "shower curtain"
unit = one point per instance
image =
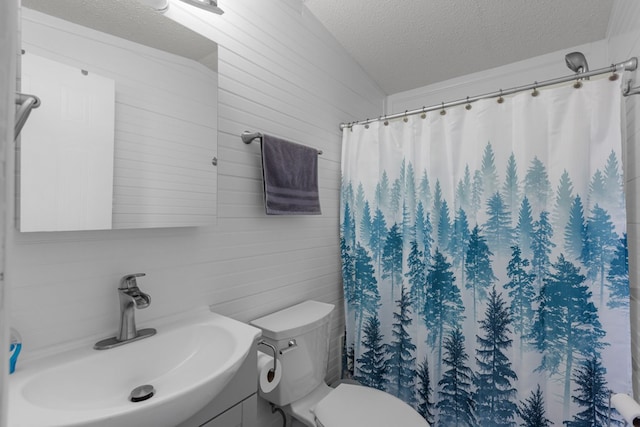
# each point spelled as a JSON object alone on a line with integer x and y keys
{"x": 484, "y": 259}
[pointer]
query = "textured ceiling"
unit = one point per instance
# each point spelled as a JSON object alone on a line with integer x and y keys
{"x": 406, "y": 44}
{"x": 131, "y": 20}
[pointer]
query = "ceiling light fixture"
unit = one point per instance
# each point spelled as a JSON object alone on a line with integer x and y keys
{"x": 157, "y": 5}
{"x": 208, "y": 5}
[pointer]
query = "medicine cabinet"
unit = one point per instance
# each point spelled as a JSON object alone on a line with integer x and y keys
{"x": 160, "y": 118}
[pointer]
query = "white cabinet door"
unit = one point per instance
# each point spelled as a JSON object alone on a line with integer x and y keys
{"x": 231, "y": 418}
{"x": 66, "y": 148}
{"x": 163, "y": 132}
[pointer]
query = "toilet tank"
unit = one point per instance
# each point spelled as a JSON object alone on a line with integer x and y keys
{"x": 304, "y": 364}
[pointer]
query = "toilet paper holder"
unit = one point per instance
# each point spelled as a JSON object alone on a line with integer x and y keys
{"x": 291, "y": 345}
{"x": 275, "y": 352}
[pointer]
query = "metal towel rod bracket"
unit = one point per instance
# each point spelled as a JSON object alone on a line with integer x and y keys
{"x": 25, "y": 103}
{"x": 248, "y": 137}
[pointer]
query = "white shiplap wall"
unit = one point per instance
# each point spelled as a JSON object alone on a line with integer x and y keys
{"x": 624, "y": 41}
{"x": 280, "y": 72}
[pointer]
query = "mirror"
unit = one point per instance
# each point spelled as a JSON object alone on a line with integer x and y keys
{"x": 164, "y": 123}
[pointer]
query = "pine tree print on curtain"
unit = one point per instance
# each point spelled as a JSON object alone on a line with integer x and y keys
{"x": 484, "y": 259}
{"x": 494, "y": 393}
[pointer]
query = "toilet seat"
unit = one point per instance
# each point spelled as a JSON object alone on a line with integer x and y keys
{"x": 360, "y": 406}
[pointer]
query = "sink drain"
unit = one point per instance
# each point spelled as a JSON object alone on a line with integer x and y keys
{"x": 142, "y": 393}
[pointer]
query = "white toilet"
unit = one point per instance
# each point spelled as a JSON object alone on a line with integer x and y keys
{"x": 301, "y": 334}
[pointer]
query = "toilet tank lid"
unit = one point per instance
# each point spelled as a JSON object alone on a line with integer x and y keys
{"x": 295, "y": 320}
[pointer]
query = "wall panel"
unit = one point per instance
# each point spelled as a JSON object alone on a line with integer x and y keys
{"x": 280, "y": 72}
{"x": 623, "y": 37}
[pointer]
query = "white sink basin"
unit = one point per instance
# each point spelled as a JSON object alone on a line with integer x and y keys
{"x": 188, "y": 362}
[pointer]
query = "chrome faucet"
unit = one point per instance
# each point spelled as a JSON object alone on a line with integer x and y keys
{"x": 131, "y": 297}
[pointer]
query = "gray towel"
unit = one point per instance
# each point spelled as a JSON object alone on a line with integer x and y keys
{"x": 290, "y": 176}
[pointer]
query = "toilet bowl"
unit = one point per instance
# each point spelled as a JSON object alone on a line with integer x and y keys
{"x": 301, "y": 335}
{"x": 353, "y": 405}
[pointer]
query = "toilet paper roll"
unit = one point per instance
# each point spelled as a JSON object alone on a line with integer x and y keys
{"x": 627, "y": 407}
{"x": 267, "y": 378}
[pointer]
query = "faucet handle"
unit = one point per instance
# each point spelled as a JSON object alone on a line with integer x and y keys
{"x": 129, "y": 281}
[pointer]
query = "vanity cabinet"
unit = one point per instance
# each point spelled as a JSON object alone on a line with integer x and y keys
{"x": 236, "y": 405}
{"x": 241, "y": 415}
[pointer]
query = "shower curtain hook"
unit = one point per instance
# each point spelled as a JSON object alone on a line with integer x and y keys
{"x": 443, "y": 112}
{"x": 577, "y": 84}
{"x": 366, "y": 125}
{"x": 424, "y": 113}
{"x": 386, "y": 121}
{"x": 535, "y": 89}
{"x": 405, "y": 119}
{"x": 614, "y": 76}
{"x": 468, "y": 106}
{"x": 500, "y": 99}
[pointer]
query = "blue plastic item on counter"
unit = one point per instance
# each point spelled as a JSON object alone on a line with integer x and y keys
{"x": 14, "y": 349}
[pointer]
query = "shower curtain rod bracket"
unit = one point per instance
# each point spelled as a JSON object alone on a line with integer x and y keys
{"x": 631, "y": 64}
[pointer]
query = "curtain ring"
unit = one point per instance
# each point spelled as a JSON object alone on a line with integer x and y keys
{"x": 535, "y": 90}
{"x": 366, "y": 125}
{"x": 386, "y": 122}
{"x": 405, "y": 119}
{"x": 500, "y": 99}
{"x": 424, "y": 113}
{"x": 614, "y": 76}
{"x": 443, "y": 112}
{"x": 468, "y": 106}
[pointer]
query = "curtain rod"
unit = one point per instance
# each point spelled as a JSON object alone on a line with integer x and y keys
{"x": 629, "y": 65}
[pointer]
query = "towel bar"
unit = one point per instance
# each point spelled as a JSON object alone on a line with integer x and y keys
{"x": 249, "y": 137}
{"x": 25, "y": 104}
